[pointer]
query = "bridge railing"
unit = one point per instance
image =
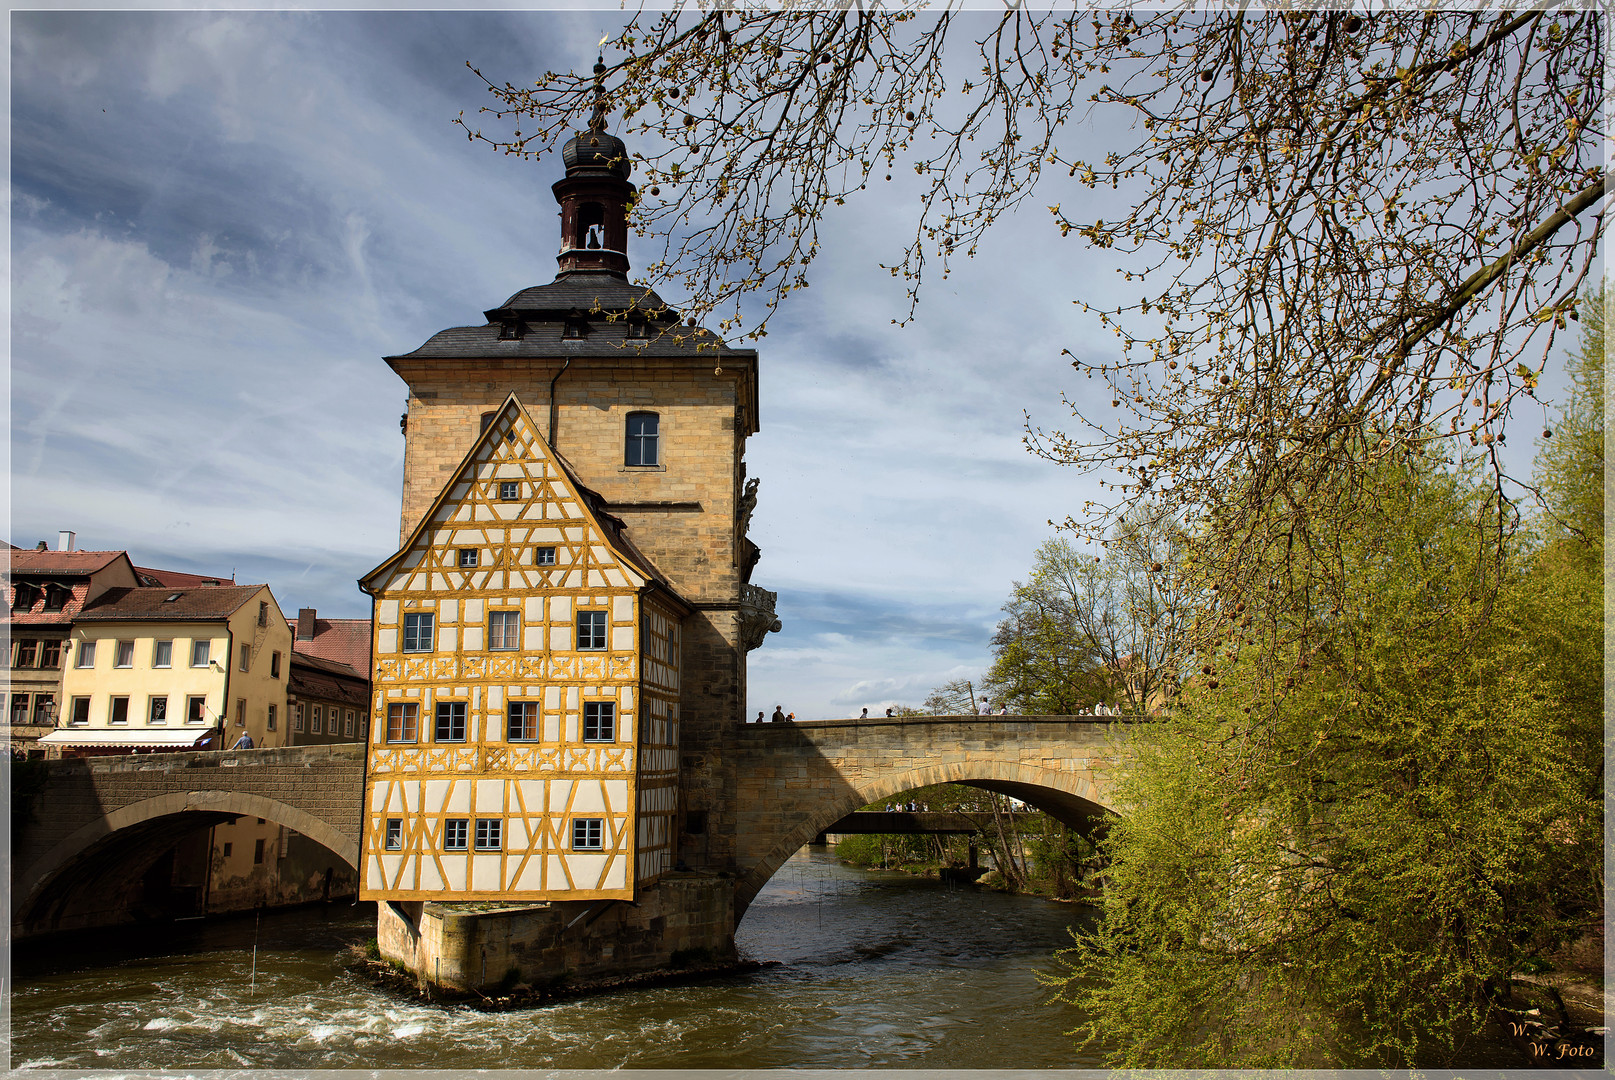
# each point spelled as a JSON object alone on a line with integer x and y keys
{"x": 272, "y": 755}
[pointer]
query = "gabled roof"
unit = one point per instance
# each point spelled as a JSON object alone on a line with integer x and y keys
{"x": 62, "y": 563}
{"x": 610, "y": 528}
{"x": 343, "y": 641}
{"x": 152, "y": 604}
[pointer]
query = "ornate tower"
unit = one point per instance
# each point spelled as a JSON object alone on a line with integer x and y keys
{"x": 651, "y": 428}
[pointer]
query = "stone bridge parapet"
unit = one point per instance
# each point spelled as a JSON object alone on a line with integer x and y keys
{"x": 82, "y": 803}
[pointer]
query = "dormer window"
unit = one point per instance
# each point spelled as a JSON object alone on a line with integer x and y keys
{"x": 577, "y": 326}
{"x": 24, "y": 597}
{"x": 637, "y": 328}
{"x": 56, "y": 597}
{"x": 512, "y": 330}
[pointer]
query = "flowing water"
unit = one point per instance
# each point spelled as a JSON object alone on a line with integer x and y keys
{"x": 876, "y": 970}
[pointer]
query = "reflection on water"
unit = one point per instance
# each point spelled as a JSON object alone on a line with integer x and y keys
{"x": 876, "y": 970}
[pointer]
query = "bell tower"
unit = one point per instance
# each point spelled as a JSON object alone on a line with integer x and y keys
{"x": 595, "y": 196}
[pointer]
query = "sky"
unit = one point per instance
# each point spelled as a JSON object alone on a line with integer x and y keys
{"x": 222, "y": 221}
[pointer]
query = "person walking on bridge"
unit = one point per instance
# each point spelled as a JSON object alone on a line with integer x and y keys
{"x": 779, "y": 715}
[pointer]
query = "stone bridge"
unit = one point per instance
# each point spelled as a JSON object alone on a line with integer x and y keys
{"x": 94, "y": 825}
{"x": 793, "y": 781}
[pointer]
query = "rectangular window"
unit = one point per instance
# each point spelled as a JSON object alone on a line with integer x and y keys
{"x": 544, "y": 556}
{"x": 201, "y": 653}
{"x": 56, "y": 597}
{"x": 241, "y": 712}
{"x": 347, "y": 723}
{"x": 509, "y": 489}
{"x": 599, "y": 721}
{"x": 298, "y": 711}
{"x": 246, "y": 657}
{"x": 522, "y": 721}
{"x": 196, "y": 710}
{"x": 591, "y": 629}
{"x": 450, "y": 722}
{"x": 44, "y": 707}
{"x": 456, "y": 834}
{"x": 270, "y": 723}
{"x": 50, "y": 654}
{"x": 25, "y": 654}
{"x": 468, "y": 558}
{"x": 319, "y": 720}
{"x": 120, "y": 711}
{"x": 125, "y": 655}
{"x": 489, "y": 833}
{"x": 401, "y": 720}
{"x": 274, "y": 665}
{"x": 642, "y": 438}
{"x": 162, "y": 654}
{"x": 227, "y": 847}
{"x": 81, "y": 711}
{"x": 23, "y": 597}
{"x": 395, "y": 834}
{"x": 588, "y": 834}
{"x": 86, "y": 657}
{"x": 258, "y": 851}
{"x": 19, "y": 708}
{"x": 504, "y": 630}
{"x": 418, "y": 632}
{"x": 157, "y": 711}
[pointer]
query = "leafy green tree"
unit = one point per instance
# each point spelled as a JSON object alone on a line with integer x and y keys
{"x": 1341, "y": 845}
{"x": 1571, "y": 463}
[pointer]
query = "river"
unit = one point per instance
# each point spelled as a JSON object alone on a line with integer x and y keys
{"x": 876, "y": 970}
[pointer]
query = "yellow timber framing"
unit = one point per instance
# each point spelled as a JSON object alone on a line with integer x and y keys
{"x": 479, "y": 611}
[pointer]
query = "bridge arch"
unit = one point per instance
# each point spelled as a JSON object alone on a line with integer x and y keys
{"x": 46, "y": 874}
{"x": 1068, "y": 797}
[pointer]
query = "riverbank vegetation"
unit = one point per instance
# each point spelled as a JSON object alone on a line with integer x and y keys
{"x": 1018, "y": 849}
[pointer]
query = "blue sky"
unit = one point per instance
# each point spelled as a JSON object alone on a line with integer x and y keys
{"x": 221, "y": 221}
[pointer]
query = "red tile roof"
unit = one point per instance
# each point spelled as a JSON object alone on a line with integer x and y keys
{"x": 175, "y": 579}
{"x": 209, "y": 602}
{"x": 347, "y": 641}
{"x": 62, "y": 563}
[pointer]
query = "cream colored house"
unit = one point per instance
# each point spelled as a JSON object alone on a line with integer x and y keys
{"x": 525, "y": 717}
{"x": 160, "y": 668}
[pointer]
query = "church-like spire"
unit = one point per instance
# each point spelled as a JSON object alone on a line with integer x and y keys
{"x": 595, "y": 195}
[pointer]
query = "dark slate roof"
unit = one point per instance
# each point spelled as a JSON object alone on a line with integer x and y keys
{"x": 543, "y": 312}
{"x": 202, "y": 602}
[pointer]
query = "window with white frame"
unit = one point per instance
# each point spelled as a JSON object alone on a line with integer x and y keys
{"x": 588, "y": 834}
{"x": 456, "y": 834}
{"x": 120, "y": 711}
{"x": 591, "y": 630}
{"x": 270, "y": 725}
{"x": 509, "y": 489}
{"x": 298, "y": 716}
{"x": 157, "y": 711}
{"x": 80, "y": 713}
{"x": 318, "y": 723}
{"x": 468, "y": 558}
{"x": 124, "y": 655}
{"x": 521, "y": 721}
{"x": 395, "y": 834}
{"x": 418, "y": 631}
{"x": 504, "y": 630}
{"x": 86, "y": 656}
{"x": 196, "y": 710}
{"x": 347, "y": 722}
{"x": 162, "y": 654}
{"x": 490, "y": 832}
{"x": 201, "y": 653}
{"x": 246, "y": 657}
{"x": 544, "y": 556}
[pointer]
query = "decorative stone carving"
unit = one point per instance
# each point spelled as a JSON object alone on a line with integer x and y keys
{"x": 757, "y": 619}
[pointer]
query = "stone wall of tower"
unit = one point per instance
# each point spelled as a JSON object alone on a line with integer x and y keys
{"x": 702, "y": 437}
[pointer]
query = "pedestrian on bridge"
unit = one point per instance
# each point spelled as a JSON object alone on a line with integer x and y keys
{"x": 779, "y": 715}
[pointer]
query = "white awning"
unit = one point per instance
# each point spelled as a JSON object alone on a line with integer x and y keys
{"x": 172, "y": 738}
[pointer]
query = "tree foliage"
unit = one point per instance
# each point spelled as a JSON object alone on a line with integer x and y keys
{"x": 1084, "y": 628}
{"x": 1353, "y": 234}
{"x": 1341, "y": 854}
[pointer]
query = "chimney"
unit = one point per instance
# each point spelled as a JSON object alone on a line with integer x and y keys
{"x": 305, "y": 624}
{"x": 64, "y": 540}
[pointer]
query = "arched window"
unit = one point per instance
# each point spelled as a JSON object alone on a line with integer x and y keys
{"x": 591, "y": 225}
{"x": 642, "y": 436}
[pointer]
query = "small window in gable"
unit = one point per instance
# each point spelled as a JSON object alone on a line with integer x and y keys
{"x": 468, "y": 558}
{"x": 544, "y": 556}
{"x": 487, "y": 421}
{"x": 509, "y": 489}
